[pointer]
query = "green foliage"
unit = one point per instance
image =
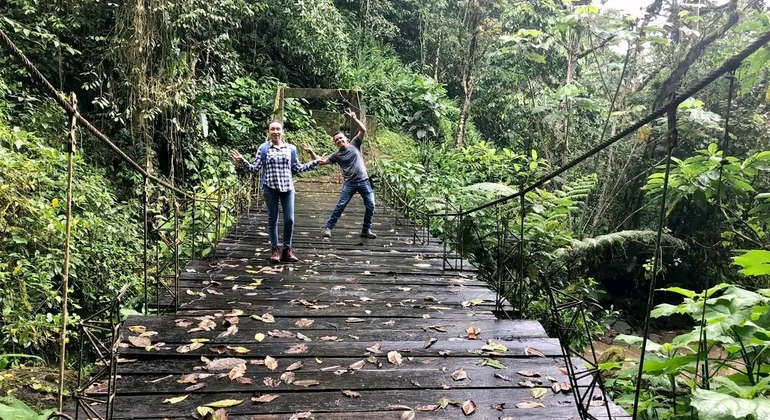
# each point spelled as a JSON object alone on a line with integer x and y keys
{"x": 755, "y": 262}
{"x": 12, "y": 408}
{"x": 401, "y": 98}
{"x": 737, "y": 321}
{"x": 304, "y": 43}
{"x": 105, "y": 240}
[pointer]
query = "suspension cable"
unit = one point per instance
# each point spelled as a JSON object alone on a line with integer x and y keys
{"x": 672, "y": 140}
{"x": 702, "y": 337}
{"x": 35, "y": 73}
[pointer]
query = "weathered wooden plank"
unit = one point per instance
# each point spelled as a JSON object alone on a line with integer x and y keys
{"x": 357, "y": 348}
{"x": 556, "y": 407}
{"x": 390, "y": 330}
{"x": 314, "y": 93}
{"x": 420, "y": 373}
{"x": 298, "y": 277}
{"x": 370, "y": 297}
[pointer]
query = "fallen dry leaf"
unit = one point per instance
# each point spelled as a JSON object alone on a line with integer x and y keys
{"x": 295, "y": 365}
{"x": 307, "y": 382}
{"x": 530, "y": 404}
{"x": 354, "y": 320}
{"x": 351, "y": 394}
{"x": 375, "y": 348}
{"x": 271, "y": 363}
{"x": 562, "y": 370}
{"x": 224, "y": 364}
{"x": 407, "y": 415}
{"x": 288, "y": 377}
{"x": 237, "y": 371}
{"x": 296, "y": 349}
{"x": 230, "y": 331}
{"x": 140, "y": 342}
{"x": 469, "y": 407}
{"x": 473, "y": 332}
{"x": 244, "y": 380}
{"x": 498, "y": 407}
{"x": 529, "y": 351}
{"x": 224, "y": 403}
{"x": 264, "y": 398}
{"x": 192, "y": 378}
{"x": 395, "y": 358}
{"x": 459, "y": 374}
{"x": 302, "y": 415}
{"x": 304, "y": 322}
{"x": 529, "y": 373}
{"x": 195, "y": 387}
{"x": 271, "y": 382}
{"x": 431, "y": 407}
{"x": 175, "y": 400}
{"x": 189, "y": 347}
{"x": 280, "y": 334}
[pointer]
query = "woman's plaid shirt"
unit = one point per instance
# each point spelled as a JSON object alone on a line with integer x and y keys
{"x": 278, "y": 168}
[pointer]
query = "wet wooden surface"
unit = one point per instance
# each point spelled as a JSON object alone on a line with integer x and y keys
{"x": 322, "y": 335}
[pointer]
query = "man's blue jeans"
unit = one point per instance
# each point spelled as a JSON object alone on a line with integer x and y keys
{"x": 272, "y": 196}
{"x": 348, "y": 191}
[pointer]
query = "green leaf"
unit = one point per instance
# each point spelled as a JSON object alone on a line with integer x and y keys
{"x": 713, "y": 405}
{"x": 531, "y": 56}
{"x": 755, "y": 262}
{"x": 493, "y": 363}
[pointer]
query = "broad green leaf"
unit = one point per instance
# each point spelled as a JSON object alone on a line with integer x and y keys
{"x": 712, "y": 405}
{"x": 755, "y": 262}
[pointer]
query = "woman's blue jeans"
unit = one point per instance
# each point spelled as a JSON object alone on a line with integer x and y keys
{"x": 272, "y": 197}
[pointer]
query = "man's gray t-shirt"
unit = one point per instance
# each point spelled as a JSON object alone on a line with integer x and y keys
{"x": 351, "y": 161}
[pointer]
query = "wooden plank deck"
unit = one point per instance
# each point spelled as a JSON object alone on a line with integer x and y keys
{"x": 339, "y": 313}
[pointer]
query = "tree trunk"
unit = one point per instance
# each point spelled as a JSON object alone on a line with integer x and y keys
{"x": 467, "y": 88}
{"x": 465, "y": 110}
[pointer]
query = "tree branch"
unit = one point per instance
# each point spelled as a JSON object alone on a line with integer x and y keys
{"x": 693, "y": 55}
{"x": 599, "y": 46}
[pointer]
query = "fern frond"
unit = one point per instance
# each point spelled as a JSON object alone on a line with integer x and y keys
{"x": 580, "y": 248}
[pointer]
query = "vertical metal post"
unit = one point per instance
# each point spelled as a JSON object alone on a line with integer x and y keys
{"x": 145, "y": 243}
{"x": 219, "y": 214}
{"x": 67, "y": 249}
{"x": 461, "y": 239}
{"x": 194, "y": 230}
{"x": 523, "y": 212}
{"x": 176, "y": 254}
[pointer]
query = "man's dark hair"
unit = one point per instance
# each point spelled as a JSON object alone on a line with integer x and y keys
{"x": 338, "y": 132}
{"x": 275, "y": 120}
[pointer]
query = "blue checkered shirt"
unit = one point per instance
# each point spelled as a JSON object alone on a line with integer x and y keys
{"x": 278, "y": 168}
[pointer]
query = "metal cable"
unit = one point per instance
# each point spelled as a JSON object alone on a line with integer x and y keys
{"x": 656, "y": 265}
{"x": 702, "y": 346}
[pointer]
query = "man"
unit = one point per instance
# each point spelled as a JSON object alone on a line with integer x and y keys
{"x": 356, "y": 178}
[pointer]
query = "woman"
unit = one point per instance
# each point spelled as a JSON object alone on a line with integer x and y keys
{"x": 278, "y": 161}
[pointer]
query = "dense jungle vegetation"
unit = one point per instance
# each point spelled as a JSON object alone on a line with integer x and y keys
{"x": 469, "y": 100}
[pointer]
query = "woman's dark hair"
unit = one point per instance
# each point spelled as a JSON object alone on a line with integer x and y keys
{"x": 275, "y": 120}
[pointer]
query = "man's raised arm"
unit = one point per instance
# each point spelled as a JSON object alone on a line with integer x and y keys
{"x": 361, "y": 126}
